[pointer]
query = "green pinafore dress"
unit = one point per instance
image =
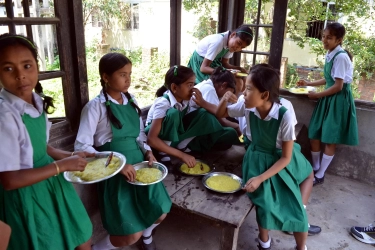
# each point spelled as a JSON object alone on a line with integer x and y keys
{"x": 278, "y": 200}
{"x": 48, "y": 214}
{"x": 334, "y": 119}
{"x": 125, "y": 208}
{"x": 196, "y": 61}
{"x": 208, "y": 132}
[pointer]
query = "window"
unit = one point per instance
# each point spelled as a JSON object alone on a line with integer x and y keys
{"x": 132, "y": 21}
{"x": 315, "y": 27}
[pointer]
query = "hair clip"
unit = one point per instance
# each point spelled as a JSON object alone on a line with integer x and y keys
{"x": 107, "y": 103}
{"x": 131, "y": 100}
{"x": 242, "y": 31}
{"x": 175, "y": 70}
{"x": 21, "y": 37}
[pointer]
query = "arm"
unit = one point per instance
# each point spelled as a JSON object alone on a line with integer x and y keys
{"x": 4, "y": 235}
{"x": 206, "y": 67}
{"x": 154, "y": 141}
{"x": 27, "y": 177}
{"x": 222, "y": 111}
{"x": 253, "y": 183}
{"x": 337, "y": 87}
{"x": 314, "y": 83}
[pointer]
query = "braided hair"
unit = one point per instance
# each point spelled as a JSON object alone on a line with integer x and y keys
{"x": 7, "y": 40}
{"x": 108, "y": 64}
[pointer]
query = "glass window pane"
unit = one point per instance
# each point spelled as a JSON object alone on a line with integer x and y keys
{"x": 144, "y": 37}
{"x": 41, "y": 8}
{"x": 53, "y": 88}
{"x": 247, "y": 60}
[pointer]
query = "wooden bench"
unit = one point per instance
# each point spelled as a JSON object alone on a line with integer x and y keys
{"x": 189, "y": 196}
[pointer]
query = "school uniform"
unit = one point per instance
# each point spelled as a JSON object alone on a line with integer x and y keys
{"x": 47, "y": 214}
{"x": 214, "y": 48}
{"x": 242, "y": 120}
{"x": 334, "y": 119}
{"x": 278, "y": 200}
{"x": 125, "y": 208}
{"x": 179, "y": 124}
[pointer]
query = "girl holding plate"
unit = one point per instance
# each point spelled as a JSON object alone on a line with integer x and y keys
{"x": 112, "y": 122}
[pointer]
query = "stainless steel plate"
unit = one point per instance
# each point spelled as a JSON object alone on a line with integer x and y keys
{"x": 144, "y": 164}
{"x": 235, "y": 177}
{"x": 306, "y": 89}
{"x": 197, "y": 160}
{"x": 69, "y": 176}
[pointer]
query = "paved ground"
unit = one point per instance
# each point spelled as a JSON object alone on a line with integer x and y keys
{"x": 336, "y": 205}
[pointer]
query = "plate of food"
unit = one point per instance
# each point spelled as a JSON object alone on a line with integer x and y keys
{"x": 96, "y": 170}
{"x": 148, "y": 175}
{"x": 302, "y": 90}
{"x": 241, "y": 74}
{"x": 222, "y": 182}
{"x": 200, "y": 168}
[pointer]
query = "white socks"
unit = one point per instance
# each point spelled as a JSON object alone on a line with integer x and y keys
{"x": 103, "y": 244}
{"x": 315, "y": 160}
{"x": 147, "y": 233}
{"x": 184, "y": 143}
{"x": 265, "y": 244}
{"x": 326, "y": 160}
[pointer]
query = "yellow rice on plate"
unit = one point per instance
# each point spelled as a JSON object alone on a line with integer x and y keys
{"x": 197, "y": 169}
{"x": 96, "y": 169}
{"x": 223, "y": 183}
{"x": 148, "y": 175}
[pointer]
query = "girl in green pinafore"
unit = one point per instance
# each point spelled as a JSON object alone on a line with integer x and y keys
{"x": 216, "y": 50}
{"x": 112, "y": 122}
{"x": 274, "y": 169}
{"x": 173, "y": 131}
{"x": 41, "y": 207}
{"x": 334, "y": 119}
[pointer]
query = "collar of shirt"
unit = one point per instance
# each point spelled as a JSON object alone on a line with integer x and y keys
{"x": 225, "y": 39}
{"x": 21, "y": 106}
{"x": 175, "y": 103}
{"x": 102, "y": 98}
{"x": 274, "y": 112}
{"x": 330, "y": 55}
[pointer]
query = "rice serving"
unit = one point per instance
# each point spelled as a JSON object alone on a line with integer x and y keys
{"x": 197, "y": 169}
{"x": 96, "y": 169}
{"x": 223, "y": 183}
{"x": 148, "y": 175}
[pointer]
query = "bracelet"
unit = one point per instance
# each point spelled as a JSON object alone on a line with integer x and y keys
{"x": 72, "y": 153}
{"x": 57, "y": 168}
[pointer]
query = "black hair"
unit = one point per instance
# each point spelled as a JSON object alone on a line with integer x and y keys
{"x": 221, "y": 75}
{"x": 108, "y": 64}
{"x": 245, "y": 34}
{"x": 7, "y": 40}
{"x": 266, "y": 79}
{"x": 177, "y": 74}
{"x": 338, "y": 30}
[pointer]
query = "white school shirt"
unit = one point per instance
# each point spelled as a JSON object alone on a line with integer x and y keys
{"x": 210, "y": 46}
{"x": 286, "y": 130}
{"x": 342, "y": 66}
{"x": 161, "y": 105}
{"x": 95, "y": 128}
{"x": 17, "y": 150}
{"x": 208, "y": 93}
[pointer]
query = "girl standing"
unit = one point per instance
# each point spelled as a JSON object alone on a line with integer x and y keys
{"x": 174, "y": 131}
{"x": 274, "y": 170}
{"x": 112, "y": 122}
{"x": 334, "y": 120}
{"x": 43, "y": 209}
{"x": 216, "y": 50}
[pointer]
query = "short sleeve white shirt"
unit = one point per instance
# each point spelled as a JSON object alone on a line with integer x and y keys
{"x": 286, "y": 130}
{"x": 161, "y": 105}
{"x": 17, "y": 151}
{"x": 342, "y": 66}
{"x": 210, "y": 46}
{"x": 95, "y": 129}
{"x": 208, "y": 93}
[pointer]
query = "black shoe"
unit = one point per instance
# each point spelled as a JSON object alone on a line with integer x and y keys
{"x": 261, "y": 248}
{"x": 145, "y": 246}
{"x": 318, "y": 181}
{"x": 314, "y": 230}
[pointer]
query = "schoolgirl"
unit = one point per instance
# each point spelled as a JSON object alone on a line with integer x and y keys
{"x": 174, "y": 131}
{"x": 334, "y": 119}
{"x": 112, "y": 122}
{"x": 272, "y": 167}
{"x": 41, "y": 207}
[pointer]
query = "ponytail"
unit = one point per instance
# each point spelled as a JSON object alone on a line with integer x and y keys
{"x": 111, "y": 117}
{"x": 161, "y": 91}
{"x": 135, "y": 106}
{"x": 48, "y": 106}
